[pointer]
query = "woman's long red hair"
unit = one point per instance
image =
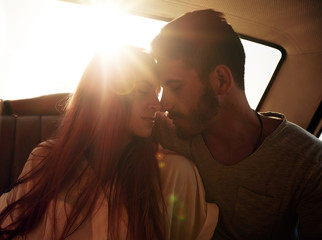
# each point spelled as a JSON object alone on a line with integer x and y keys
{"x": 94, "y": 128}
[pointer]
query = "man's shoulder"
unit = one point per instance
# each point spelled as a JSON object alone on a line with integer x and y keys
{"x": 289, "y": 133}
{"x": 294, "y": 141}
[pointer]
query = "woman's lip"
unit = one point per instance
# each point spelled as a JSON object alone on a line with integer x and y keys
{"x": 150, "y": 119}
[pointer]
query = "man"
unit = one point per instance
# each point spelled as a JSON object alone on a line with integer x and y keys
{"x": 264, "y": 172}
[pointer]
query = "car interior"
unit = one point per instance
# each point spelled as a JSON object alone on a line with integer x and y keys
{"x": 295, "y": 88}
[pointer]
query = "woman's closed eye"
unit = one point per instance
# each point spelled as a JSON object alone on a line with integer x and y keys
{"x": 144, "y": 91}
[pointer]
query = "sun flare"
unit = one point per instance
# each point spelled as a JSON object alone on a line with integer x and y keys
{"x": 57, "y": 40}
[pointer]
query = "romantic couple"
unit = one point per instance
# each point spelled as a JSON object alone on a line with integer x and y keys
{"x": 118, "y": 168}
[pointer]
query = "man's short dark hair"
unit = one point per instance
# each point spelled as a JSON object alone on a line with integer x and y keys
{"x": 202, "y": 39}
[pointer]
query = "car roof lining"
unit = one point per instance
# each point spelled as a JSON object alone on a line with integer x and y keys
{"x": 293, "y": 24}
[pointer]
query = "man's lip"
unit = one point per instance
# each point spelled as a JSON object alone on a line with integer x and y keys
{"x": 173, "y": 117}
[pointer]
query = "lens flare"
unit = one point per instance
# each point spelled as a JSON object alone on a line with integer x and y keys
{"x": 159, "y": 156}
{"x": 179, "y": 208}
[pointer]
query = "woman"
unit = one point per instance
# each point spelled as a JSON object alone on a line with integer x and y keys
{"x": 101, "y": 176}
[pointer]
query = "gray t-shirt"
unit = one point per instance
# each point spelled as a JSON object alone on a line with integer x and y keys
{"x": 263, "y": 196}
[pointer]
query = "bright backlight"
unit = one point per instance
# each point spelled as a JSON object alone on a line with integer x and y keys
{"x": 46, "y": 44}
{"x": 49, "y": 45}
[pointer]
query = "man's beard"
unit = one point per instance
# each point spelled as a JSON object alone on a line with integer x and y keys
{"x": 198, "y": 119}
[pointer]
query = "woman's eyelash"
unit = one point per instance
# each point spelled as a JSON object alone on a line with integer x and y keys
{"x": 143, "y": 91}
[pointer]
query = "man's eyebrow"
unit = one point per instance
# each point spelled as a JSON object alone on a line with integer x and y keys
{"x": 172, "y": 81}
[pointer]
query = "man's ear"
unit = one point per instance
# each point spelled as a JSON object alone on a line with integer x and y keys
{"x": 221, "y": 79}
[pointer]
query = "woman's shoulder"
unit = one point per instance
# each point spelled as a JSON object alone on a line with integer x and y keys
{"x": 174, "y": 164}
{"x": 38, "y": 154}
{"x": 173, "y": 158}
{"x": 42, "y": 149}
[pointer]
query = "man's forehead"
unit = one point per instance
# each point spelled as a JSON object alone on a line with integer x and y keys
{"x": 172, "y": 69}
{"x": 166, "y": 64}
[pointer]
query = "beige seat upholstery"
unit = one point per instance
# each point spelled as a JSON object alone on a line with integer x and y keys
{"x": 18, "y": 136}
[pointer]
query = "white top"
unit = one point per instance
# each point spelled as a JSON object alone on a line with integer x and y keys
{"x": 190, "y": 217}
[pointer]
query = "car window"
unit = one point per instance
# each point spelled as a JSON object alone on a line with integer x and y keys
{"x": 260, "y": 64}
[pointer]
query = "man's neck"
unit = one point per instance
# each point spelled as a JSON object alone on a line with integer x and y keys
{"x": 234, "y": 136}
